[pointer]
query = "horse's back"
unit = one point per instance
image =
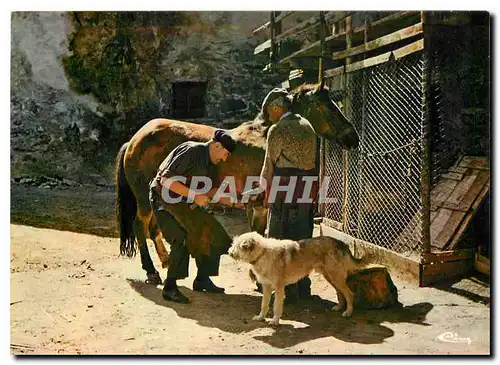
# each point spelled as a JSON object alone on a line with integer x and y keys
{"x": 155, "y": 140}
{"x": 152, "y": 143}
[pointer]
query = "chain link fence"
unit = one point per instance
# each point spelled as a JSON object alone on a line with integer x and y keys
{"x": 377, "y": 187}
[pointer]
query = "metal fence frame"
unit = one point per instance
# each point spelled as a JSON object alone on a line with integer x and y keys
{"x": 412, "y": 236}
{"x": 380, "y": 198}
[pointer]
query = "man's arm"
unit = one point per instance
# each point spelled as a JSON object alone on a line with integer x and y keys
{"x": 182, "y": 165}
{"x": 181, "y": 189}
{"x": 273, "y": 150}
{"x": 225, "y": 200}
{"x": 175, "y": 186}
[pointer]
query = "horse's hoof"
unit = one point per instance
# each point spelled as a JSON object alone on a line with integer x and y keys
{"x": 153, "y": 279}
{"x": 347, "y": 313}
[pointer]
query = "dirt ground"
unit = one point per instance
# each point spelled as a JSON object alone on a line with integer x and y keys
{"x": 72, "y": 294}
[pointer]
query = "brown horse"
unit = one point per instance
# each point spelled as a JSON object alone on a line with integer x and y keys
{"x": 138, "y": 160}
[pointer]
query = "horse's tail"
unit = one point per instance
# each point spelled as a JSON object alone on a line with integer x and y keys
{"x": 126, "y": 207}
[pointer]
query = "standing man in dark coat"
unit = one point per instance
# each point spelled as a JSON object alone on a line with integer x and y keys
{"x": 290, "y": 154}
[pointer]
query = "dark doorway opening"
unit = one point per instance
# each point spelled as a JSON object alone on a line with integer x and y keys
{"x": 189, "y": 99}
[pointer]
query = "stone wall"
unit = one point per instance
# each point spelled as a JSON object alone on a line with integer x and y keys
{"x": 82, "y": 83}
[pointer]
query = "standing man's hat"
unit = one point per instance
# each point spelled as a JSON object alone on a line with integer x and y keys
{"x": 225, "y": 139}
{"x": 274, "y": 94}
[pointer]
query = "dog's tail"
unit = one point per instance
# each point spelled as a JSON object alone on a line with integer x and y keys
{"x": 354, "y": 264}
{"x": 362, "y": 262}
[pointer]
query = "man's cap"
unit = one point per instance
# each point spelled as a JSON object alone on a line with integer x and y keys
{"x": 274, "y": 94}
{"x": 220, "y": 135}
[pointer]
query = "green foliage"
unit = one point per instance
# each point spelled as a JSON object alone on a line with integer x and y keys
{"x": 109, "y": 78}
{"x": 107, "y": 49}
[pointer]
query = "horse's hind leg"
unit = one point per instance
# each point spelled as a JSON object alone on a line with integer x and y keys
{"x": 141, "y": 229}
{"x": 156, "y": 235}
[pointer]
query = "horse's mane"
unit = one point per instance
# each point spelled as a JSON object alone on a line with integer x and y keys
{"x": 302, "y": 89}
{"x": 252, "y": 132}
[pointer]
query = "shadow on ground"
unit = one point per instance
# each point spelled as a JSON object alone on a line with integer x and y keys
{"x": 86, "y": 209}
{"x": 475, "y": 288}
{"x": 232, "y": 313}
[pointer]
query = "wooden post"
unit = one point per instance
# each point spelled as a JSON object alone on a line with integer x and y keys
{"x": 321, "y": 45}
{"x": 345, "y": 154}
{"x": 322, "y": 164}
{"x": 322, "y": 150}
{"x": 272, "y": 52}
{"x": 425, "y": 178}
{"x": 361, "y": 157}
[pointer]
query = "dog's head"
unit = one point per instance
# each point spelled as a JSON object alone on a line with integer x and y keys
{"x": 246, "y": 247}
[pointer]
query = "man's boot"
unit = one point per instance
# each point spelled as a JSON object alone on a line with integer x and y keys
{"x": 205, "y": 284}
{"x": 172, "y": 293}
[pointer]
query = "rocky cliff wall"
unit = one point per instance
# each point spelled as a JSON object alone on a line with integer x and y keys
{"x": 82, "y": 83}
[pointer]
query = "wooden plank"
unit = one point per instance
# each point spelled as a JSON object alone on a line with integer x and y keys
{"x": 433, "y": 215}
{"x": 450, "y": 227}
{"x": 453, "y": 176}
{"x": 386, "y": 20}
{"x": 459, "y": 158}
{"x": 404, "y": 267}
{"x": 304, "y": 26}
{"x": 283, "y": 15}
{"x": 442, "y": 217}
{"x": 399, "y": 53}
{"x": 279, "y": 18}
{"x": 262, "y": 47}
{"x": 380, "y": 42}
{"x": 332, "y": 224}
{"x": 459, "y": 192}
{"x": 456, "y": 238}
{"x": 444, "y": 256}
{"x": 434, "y": 273}
{"x": 476, "y": 188}
{"x": 307, "y": 49}
{"x": 474, "y": 162}
{"x": 482, "y": 264}
{"x": 260, "y": 29}
{"x": 442, "y": 192}
{"x": 358, "y": 31}
{"x": 334, "y": 71}
{"x": 460, "y": 170}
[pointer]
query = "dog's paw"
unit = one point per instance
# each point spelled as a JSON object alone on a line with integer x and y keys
{"x": 347, "y": 313}
{"x": 274, "y": 321}
{"x": 337, "y": 308}
{"x": 258, "y": 318}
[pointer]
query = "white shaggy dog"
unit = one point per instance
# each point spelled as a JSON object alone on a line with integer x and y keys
{"x": 277, "y": 263}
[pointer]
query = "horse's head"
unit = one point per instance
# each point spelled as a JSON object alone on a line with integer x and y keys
{"x": 313, "y": 102}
